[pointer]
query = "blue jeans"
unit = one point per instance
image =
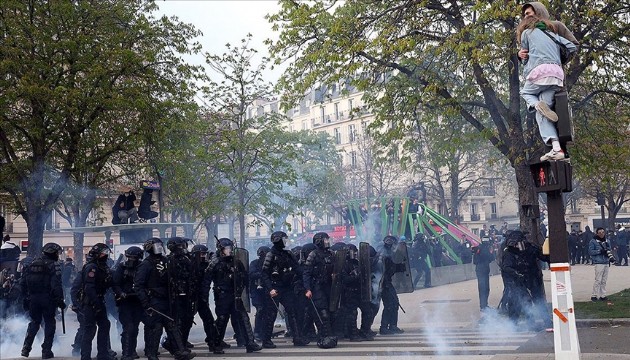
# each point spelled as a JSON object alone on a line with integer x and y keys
{"x": 532, "y": 94}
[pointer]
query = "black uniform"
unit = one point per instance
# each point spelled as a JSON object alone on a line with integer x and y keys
{"x": 97, "y": 278}
{"x": 151, "y": 284}
{"x": 76, "y": 296}
{"x": 42, "y": 291}
{"x": 201, "y": 305}
{"x": 279, "y": 272}
{"x": 389, "y": 318}
{"x": 420, "y": 251}
{"x": 317, "y": 278}
{"x": 257, "y": 293}
{"x": 180, "y": 278}
{"x": 351, "y": 297}
{"x": 482, "y": 257}
{"x": 130, "y": 311}
{"x": 513, "y": 270}
{"x": 229, "y": 277}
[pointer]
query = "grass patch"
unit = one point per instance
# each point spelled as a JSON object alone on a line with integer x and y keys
{"x": 617, "y": 306}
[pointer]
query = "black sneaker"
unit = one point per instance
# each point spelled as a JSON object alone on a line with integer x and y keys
{"x": 268, "y": 344}
{"x": 385, "y": 331}
{"x": 47, "y": 355}
{"x": 300, "y": 342}
{"x": 396, "y": 330}
{"x": 25, "y": 352}
{"x": 593, "y": 298}
{"x": 225, "y": 345}
{"x": 605, "y": 298}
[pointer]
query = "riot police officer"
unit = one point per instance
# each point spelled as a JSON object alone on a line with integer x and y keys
{"x": 482, "y": 257}
{"x": 151, "y": 284}
{"x": 180, "y": 282}
{"x": 42, "y": 291}
{"x": 229, "y": 278}
{"x": 97, "y": 278}
{"x": 258, "y": 294}
{"x": 317, "y": 277}
{"x": 389, "y": 318}
{"x": 351, "y": 295}
{"x": 130, "y": 310}
{"x": 199, "y": 257}
{"x": 278, "y": 275}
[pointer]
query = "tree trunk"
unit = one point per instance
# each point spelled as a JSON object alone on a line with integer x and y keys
{"x": 35, "y": 223}
{"x": 211, "y": 229}
{"x": 78, "y": 249}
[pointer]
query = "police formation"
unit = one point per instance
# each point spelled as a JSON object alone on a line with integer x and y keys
{"x": 318, "y": 289}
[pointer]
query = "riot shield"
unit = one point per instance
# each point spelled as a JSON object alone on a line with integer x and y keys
{"x": 335, "y": 291}
{"x": 402, "y": 281}
{"x": 366, "y": 272}
{"x": 241, "y": 274}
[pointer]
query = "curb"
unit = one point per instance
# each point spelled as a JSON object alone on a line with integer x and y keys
{"x": 582, "y": 323}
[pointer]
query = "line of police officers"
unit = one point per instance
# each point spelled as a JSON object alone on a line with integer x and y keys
{"x": 316, "y": 285}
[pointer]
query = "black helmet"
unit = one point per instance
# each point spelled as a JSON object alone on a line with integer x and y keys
{"x": 99, "y": 251}
{"x": 224, "y": 247}
{"x": 306, "y": 250}
{"x": 353, "y": 252}
{"x": 154, "y": 246}
{"x": 177, "y": 245}
{"x": 419, "y": 237}
{"x": 134, "y": 251}
{"x": 338, "y": 246}
{"x": 262, "y": 251}
{"x": 321, "y": 240}
{"x": 389, "y": 240}
{"x": 199, "y": 248}
{"x": 279, "y": 239}
{"x": 52, "y": 250}
{"x": 296, "y": 251}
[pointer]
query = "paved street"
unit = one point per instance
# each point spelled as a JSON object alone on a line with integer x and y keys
{"x": 440, "y": 323}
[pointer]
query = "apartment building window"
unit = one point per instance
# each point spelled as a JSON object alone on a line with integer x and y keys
{"x": 336, "y": 111}
{"x": 337, "y": 133}
{"x": 473, "y": 209}
{"x": 353, "y": 159}
{"x": 350, "y": 104}
{"x": 351, "y": 133}
{"x": 50, "y": 222}
{"x": 493, "y": 210}
{"x": 304, "y": 125}
{"x": 574, "y": 206}
{"x": 322, "y": 113}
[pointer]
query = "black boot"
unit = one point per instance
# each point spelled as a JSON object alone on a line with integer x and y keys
{"x": 251, "y": 347}
{"x": 47, "y": 354}
{"x": 268, "y": 344}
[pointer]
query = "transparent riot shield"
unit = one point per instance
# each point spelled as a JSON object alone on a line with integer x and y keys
{"x": 337, "y": 285}
{"x": 402, "y": 281}
{"x": 241, "y": 282}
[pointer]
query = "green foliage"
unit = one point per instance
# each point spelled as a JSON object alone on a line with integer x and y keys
{"x": 82, "y": 82}
{"x": 457, "y": 58}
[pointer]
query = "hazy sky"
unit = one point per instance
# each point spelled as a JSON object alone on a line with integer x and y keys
{"x": 225, "y": 21}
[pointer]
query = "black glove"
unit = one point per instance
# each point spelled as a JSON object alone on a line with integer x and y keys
{"x": 61, "y": 304}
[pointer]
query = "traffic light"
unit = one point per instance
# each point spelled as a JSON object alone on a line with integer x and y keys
{"x": 552, "y": 176}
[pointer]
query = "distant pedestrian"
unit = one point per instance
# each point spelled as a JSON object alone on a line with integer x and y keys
{"x": 623, "y": 238}
{"x": 598, "y": 249}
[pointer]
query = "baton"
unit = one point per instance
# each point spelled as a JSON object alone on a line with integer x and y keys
{"x": 316, "y": 312}
{"x": 401, "y": 308}
{"x": 63, "y": 321}
{"x": 277, "y": 307}
{"x": 161, "y": 313}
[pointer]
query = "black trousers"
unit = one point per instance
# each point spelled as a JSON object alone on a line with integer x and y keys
{"x": 39, "y": 310}
{"x": 483, "y": 286}
{"x": 389, "y": 318}
{"x": 95, "y": 318}
{"x": 130, "y": 314}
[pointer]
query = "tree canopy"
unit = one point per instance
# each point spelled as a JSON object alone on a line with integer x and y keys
{"x": 459, "y": 58}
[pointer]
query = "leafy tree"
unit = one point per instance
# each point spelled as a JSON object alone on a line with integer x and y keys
{"x": 458, "y": 57}
{"x": 81, "y": 80}
{"x": 602, "y": 152}
{"x": 255, "y": 156}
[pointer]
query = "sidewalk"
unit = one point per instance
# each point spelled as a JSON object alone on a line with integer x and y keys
{"x": 457, "y": 304}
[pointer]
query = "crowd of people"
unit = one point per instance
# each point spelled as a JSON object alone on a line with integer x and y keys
{"x": 318, "y": 289}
